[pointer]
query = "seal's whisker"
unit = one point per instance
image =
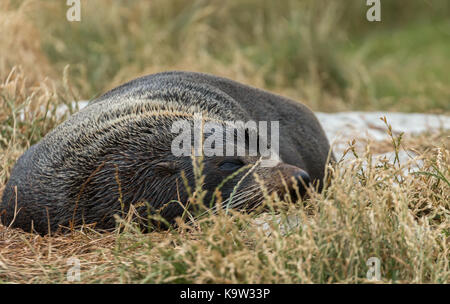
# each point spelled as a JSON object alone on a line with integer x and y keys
{"x": 253, "y": 200}
{"x": 240, "y": 195}
{"x": 245, "y": 199}
{"x": 225, "y": 202}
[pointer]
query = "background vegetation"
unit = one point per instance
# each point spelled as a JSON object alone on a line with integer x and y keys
{"x": 322, "y": 52}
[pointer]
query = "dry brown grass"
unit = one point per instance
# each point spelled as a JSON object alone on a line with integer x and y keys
{"x": 21, "y": 44}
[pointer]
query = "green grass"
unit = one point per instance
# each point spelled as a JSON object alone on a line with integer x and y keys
{"x": 322, "y": 52}
{"x": 407, "y": 67}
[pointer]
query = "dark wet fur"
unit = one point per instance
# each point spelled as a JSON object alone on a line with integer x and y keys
{"x": 116, "y": 152}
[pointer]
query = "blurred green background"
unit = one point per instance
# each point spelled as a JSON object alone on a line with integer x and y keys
{"x": 322, "y": 52}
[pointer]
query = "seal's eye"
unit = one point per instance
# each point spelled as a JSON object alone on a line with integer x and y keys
{"x": 231, "y": 165}
{"x": 166, "y": 167}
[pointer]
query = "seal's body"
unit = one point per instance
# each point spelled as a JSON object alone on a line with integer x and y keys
{"x": 116, "y": 152}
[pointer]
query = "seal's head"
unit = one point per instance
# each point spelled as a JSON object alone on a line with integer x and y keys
{"x": 229, "y": 157}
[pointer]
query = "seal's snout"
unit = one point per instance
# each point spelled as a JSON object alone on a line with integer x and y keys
{"x": 298, "y": 180}
{"x": 302, "y": 178}
{"x": 303, "y": 182}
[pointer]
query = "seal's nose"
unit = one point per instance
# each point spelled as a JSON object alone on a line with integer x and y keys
{"x": 298, "y": 180}
{"x": 303, "y": 181}
{"x": 302, "y": 178}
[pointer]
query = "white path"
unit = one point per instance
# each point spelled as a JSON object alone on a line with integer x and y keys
{"x": 342, "y": 127}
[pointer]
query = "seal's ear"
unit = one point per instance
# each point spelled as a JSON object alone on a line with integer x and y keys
{"x": 166, "y": 167}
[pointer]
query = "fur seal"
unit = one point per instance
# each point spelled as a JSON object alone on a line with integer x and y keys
{"x": 116, "y": 152}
